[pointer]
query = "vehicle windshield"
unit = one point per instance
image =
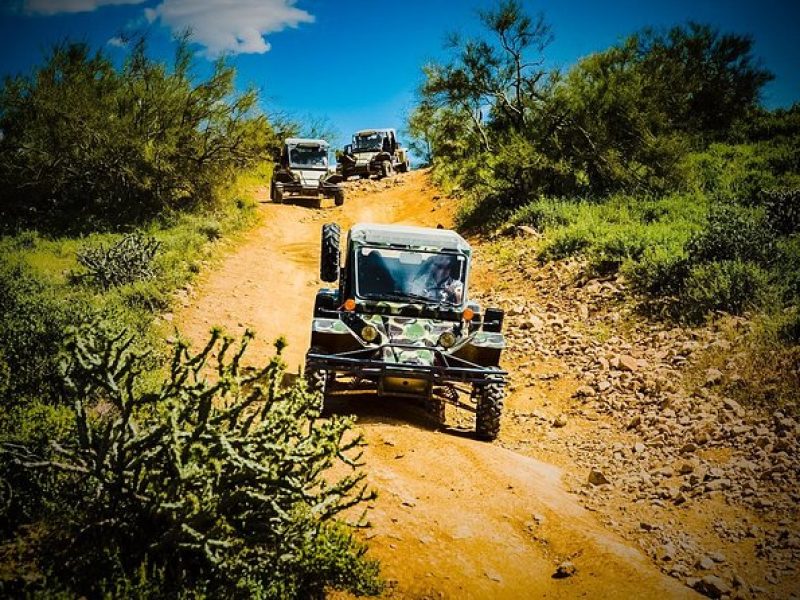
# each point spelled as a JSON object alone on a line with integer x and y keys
{"x": 431, "y": 277}
{"x": 308, "y": 156}
{"x": 371, "y": 142}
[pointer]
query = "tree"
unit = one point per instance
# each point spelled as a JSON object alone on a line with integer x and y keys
{"x": 83, "y": 141}
{"x": 494, "y": 78}
{"x": 633, "y": 111}
{"x": 705, "y": 80}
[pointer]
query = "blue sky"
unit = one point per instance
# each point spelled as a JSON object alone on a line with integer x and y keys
{"x": 357, "y": 62}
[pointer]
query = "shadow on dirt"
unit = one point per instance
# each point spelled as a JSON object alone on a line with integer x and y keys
{"x": 369, "y": 408}
{"x": 303, "y": 202}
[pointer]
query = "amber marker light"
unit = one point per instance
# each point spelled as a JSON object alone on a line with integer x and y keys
{"x": 349, "y": 305}
{"x": 468, "y": 314}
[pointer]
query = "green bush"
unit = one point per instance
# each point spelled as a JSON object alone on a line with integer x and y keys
{"x": 30, "y": 430}
{"x": 33, "y": 318}
{"x": 217, "y": 479}
{"x": 782, "y": 207}
{"x": 211, "y": 229}
{"x": 88, "y": 145}
{"x": 734, "y": 233}
{"x": 563, "y": 243}
{"x": 790, "y": 327}
{"x": 617, "y": 247}
{"x": 731, "y": 286}
{"x": 144, "y": 295}
{"x": 661, "y": 271}
{"x": 730, "y": 173}
{"x": 129, "y": 259}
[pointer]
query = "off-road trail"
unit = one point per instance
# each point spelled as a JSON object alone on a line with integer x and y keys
{"x": 455, "y": 517}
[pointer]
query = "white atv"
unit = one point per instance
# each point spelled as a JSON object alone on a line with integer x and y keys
{"x": 373, "y": 152}
{"x": 302, "y": 170}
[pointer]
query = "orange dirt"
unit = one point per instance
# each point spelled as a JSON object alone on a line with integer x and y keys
{"x": 455, "y": 518}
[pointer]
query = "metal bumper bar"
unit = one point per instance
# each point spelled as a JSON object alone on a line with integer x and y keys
{"x": 445, "y": 368}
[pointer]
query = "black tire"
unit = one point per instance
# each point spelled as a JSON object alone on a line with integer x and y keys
{"x": 489, "y": 409}
{"x": 386, "y": 169}
{"x": 275, "y": 194}
{"x": 329, "y": 259}
{"x": 338, "y": 198}
{"x": 402, "y": 167}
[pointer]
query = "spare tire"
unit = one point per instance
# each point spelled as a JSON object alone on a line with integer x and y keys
{"x": 329, "y": 257}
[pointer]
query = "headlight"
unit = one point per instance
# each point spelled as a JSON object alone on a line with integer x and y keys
{"x": 447, "y": 339}
{"x": 369, "y": 333}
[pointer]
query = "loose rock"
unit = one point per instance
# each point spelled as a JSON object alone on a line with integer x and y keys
{"x": 565, "y": 569}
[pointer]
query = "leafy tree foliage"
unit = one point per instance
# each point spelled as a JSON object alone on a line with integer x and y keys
{"x": 84, "y": 143}
{"x": 620, "y": 120}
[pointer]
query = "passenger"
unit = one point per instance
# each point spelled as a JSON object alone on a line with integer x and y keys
{"x": 435, "y": 280}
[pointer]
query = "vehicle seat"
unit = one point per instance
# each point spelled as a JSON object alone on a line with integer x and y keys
{"x": 375, "y": 275}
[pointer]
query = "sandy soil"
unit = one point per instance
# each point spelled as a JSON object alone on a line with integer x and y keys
{"x": 455, "y": 518}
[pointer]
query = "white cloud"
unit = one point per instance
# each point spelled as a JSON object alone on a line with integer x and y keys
{"x": 53, "y": 7}
{"x": 117, "y": 42}
{"x": 235, "y": 26}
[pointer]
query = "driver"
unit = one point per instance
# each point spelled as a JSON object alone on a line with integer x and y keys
{"x": 435, "y": 280}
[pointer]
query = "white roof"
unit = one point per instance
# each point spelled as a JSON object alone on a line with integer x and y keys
{"x": 305, "y": 141}
{"x": 406, "y": 235}
{"x": 371, "y": 131}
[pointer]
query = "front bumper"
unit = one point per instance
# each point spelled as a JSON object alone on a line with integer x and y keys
{"x": 366, "y": 363}
{"x": 299, "y": 189}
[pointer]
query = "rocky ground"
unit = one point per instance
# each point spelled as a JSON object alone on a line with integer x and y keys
{"x": 637, "y": 423}
{"x": 647, "y": 437}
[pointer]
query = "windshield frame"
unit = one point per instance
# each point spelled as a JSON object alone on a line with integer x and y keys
{"x": 320, "y": 150}
{"x": 403, "y": 294}
{"x": 362, "y": 148}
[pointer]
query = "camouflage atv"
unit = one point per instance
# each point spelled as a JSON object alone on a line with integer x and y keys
{"x": 302, "y": 170}
{"x": 373, "y": 152}
{"x": 400, "y": 322}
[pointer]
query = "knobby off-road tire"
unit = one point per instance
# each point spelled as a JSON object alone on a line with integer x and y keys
{"x": 275, "y": 194}
{"x": 489, "y": 409}
{"x": 386, "y": 169}
{"x": 338, "y": 198}
{"x": 329, "y": 260}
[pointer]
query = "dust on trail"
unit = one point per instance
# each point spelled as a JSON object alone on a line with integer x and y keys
{"x": 455, "y": 518}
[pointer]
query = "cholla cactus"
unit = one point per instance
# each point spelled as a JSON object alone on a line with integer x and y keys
{"x": 219, "y": 476}
{"x": 128, "y": 260}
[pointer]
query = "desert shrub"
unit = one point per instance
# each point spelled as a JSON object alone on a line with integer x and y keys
{"x": 565, "y": 242}
{"x": 618, "y": 246}
{"x": 782, "y": 208}
{"x": 731, "y": 286}
{"x": 89, "y": 145}
{"x": 33, "y": 318}
{"x": 733, "y": 233}
{"x": 144, "y": 295}
{"x": 211, "y": 229}
{"x": 29, "y": 430}
{"x": 217, "y": 478}
{"x": 541, "y": 214}
{"x": 729, "y": 173}
{"x": 127, "y": 260}
{"x": 661, "y": 271}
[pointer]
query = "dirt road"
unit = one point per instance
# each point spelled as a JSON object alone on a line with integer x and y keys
{"x": 455, "y": 518}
